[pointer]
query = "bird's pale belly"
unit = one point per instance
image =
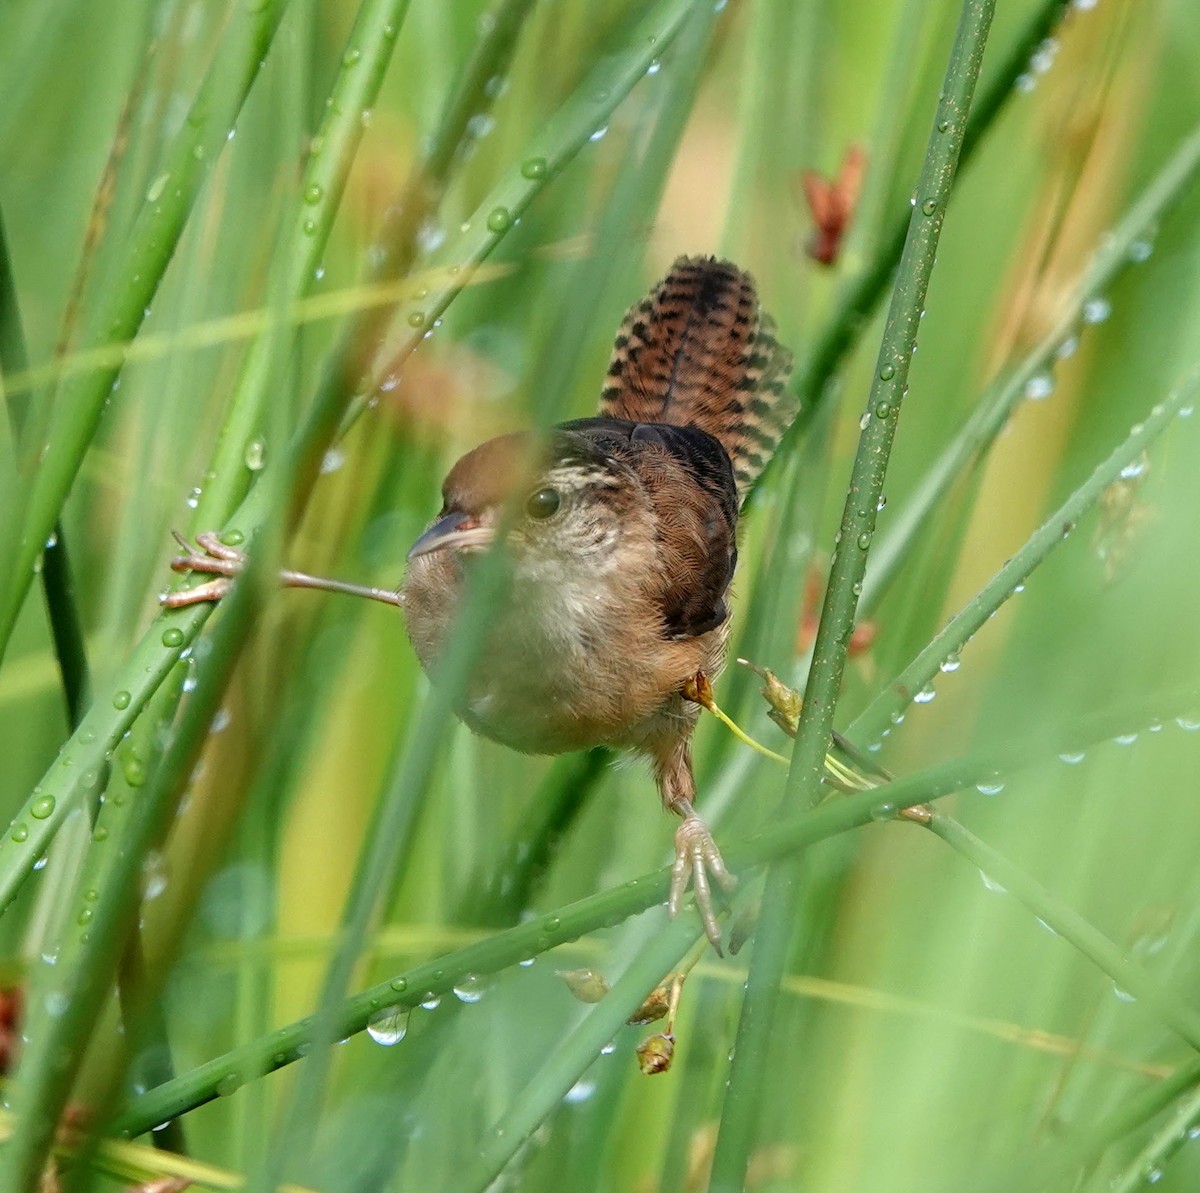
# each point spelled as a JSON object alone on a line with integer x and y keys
{"x": 550, "y": 684}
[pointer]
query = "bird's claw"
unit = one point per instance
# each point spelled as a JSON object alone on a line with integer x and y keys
{"x": 211, "y": 557}
{"x": 696, "y": 858}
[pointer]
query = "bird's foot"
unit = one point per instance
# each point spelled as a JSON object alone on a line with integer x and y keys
{"x": 696, "y": 858}
{"x": 211, "y": 557}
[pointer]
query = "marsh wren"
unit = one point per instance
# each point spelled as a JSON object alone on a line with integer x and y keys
{"x": 620, "y": 531}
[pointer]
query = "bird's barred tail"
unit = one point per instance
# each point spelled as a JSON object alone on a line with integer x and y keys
{"x": 699, "y": 351}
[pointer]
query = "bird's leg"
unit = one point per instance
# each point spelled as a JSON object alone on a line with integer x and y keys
{"x": 212, "y": 557}
{"x": 696, "y": 854}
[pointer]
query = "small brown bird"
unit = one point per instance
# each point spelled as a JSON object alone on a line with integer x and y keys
{"x": 621, "y": 535}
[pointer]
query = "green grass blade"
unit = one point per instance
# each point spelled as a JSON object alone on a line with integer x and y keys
{"x": 895, "y": 696}
{"x": 776, "y": 927}
{"x": 79, "y": 403}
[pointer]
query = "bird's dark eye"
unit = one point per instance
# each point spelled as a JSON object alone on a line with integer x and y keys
{"x": 543, "y": 504}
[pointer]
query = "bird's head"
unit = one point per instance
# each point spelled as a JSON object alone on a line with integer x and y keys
{"x": 559, "y": 505}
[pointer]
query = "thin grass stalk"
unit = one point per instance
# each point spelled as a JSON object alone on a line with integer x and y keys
{"x": 565, "y": 924}
{"x": 85, "y": 966}
{"x": 995, "y": 407}
{"x": 48, "y": 467}
{"x": 636, "y": 192}
{"x": 890, "y": 383}
{"x": 139, "y": 1164}
{"x": 66, "y": 626}
{"x": 566, "y": 132}
{"x": 863, "y": 294}
{"x": 388, "y": 837}
{"x": 895, "y": 696}
{"x": 175, "y": 630}
{"x": 83, "y": 974}
{"x": 354, "y": 87}
{"x": 574, "y": 1053}
{"x": 394, "y": 247}
{"x": 441, "y": 974}
{"x": 302, "y": 245}
{"x": 1179, "y": 1015}
{"x": 1147, "y": 1166}
{"x": 1084, "y": 1152}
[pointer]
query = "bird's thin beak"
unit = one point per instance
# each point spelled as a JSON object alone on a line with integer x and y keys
{"x": 454, "y": 531}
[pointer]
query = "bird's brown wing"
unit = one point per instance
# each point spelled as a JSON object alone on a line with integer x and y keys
{"x": 689, "y": 479}
{"x": 699, "y": 351}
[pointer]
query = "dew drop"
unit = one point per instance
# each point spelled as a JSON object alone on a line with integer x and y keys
{"x": 1125, "y": 739}
{"x": 887, "y": 372}
{"x": 599, "y": 134}
{"x": 929, "y": 206}
{"x": 399, "y": 985}
{"x": 481, "y": 124}
{"x": 430, "y": 236}
{"x": 155, "y": 190}
{"x": 865, "y": 421}
{"x": 924, "y": 696}
{"x": 864, "y": 540}
{"x": 1123, "y": 995}
{"x": 1188, "y": 724}
{"x": 883, "y": 410}
{"x": 992, "y": 788}
{"x": 172, "y": 637}
{"x": 416, "y": 319}
{"x": 20, "y": 833}
{"x": 229, "y": 1084}
{"x": 332, "y": 460}
{"x": 580, "y": 1092}
{"x": 255, "y": 454}
{"x": 992, "y": 885}
{"x": 1039, "y": 386}
{"x": 388, "y": 1026}
{"x": 56, "y": 1003}
{"x": 431, "y": 1001}
{"x": 1067, "y": 348}
{"x": 950, "y": 663}
{"x": 1096, "y": 310}
{"x": 499, "y": 219}
{"x": 534, "y": 168}
{"x": 470, "y": 989}
{"x": 313, "y": 193}
{"x": 1135, "y": 468}
{"x": 1043, "y": 57}
{"x": 1072, "y": 757}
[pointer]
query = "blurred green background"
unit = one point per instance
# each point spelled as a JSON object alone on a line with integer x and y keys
{"x": 524, "y": 172}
